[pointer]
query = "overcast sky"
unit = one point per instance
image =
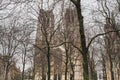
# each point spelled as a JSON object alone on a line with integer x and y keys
{"x": 30, "y": 11}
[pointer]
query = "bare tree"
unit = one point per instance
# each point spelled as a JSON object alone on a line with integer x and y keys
{"x": 27, "y": 48}
{"x": 84, "y": 48}
{"x": 110, "y": 14}
{"x": 45, "y": 34}
{"x": 9, "y": 46}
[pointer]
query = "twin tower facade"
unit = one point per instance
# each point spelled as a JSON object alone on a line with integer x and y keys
{"x": 65, "y": 60}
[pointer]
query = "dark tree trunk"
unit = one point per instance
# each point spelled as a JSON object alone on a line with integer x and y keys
{"x": 43, "y": 72}
{"x": 55, "y": 76}
{"x": 104, "y": 68}
{"x": 73, "y": 72}
{"x": 71, "y": 76}
{"x": 23, "y": 70}
{"x": 85, "y": 68}
{"x": 43, "y": 77}
{"x": 33, "y": 72}
{"x": 66, "y": 65}
{"x": 48, "y": 62}
{"x": 77, "y": 3}
{"x": 59, "y": 76}
{"x": 111, "y": 63}
{"x": 111, "y": 69}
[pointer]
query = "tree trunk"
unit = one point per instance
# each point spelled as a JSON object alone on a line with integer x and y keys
{"x": 59, "y": 76}
{"x": 73, "y": 72}
{"x": 24, "y": 56}
{"x": 48, "y": 60}
{"x": 55, "y": 76}
{"x": 66, "y": 64}
{"x": 111, "y": 69}
{"x": 82, "y": 41}
{"x": 43, "y": 72}
{"x": 23, "y": 70}
{"x": 104, "y": 68}
{"x": 6, "y": 71}
{"x": 111, "y": 63}
{"x": 85, "y": 68}
{"x": 71, "y": 76}
{"x": 33, "y": 74}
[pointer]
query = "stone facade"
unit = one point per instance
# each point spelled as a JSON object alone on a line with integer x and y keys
{"x": 112, "y": 48}
{"x": 71, "y": 31}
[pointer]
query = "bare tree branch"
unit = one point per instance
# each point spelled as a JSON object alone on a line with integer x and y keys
{"x": 101, "y": 34}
